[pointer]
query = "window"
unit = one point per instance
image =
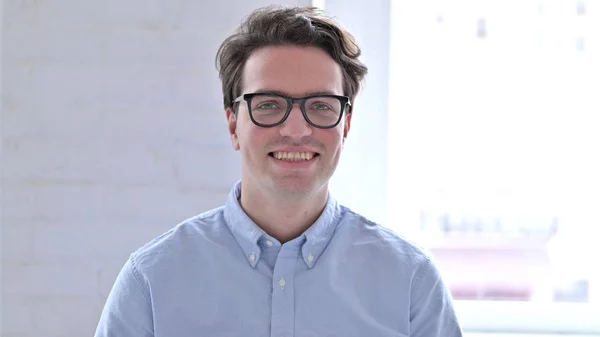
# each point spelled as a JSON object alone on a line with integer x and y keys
{"x": 494, "y": 156}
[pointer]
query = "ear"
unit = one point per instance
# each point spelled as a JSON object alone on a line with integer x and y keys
{"x": 232, "y": 125}
{"x": 347, "y": 123}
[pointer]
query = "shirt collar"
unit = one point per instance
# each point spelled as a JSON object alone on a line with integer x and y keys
{"x": 315, "y": 239}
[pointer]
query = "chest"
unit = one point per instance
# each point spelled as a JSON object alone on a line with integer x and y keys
{"x": 287, "y": 300}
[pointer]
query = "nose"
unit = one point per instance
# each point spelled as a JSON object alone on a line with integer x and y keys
{"x": 295, "y": 126}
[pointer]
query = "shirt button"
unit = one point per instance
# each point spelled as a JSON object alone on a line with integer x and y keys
{"x": 282, "y": 283}
{"x": 310, "y": 258}
{"x": 252, "y": 257}
{"x": 269, "y": 243}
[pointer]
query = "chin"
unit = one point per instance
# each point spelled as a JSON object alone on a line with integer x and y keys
{"x": 297, "y": 185}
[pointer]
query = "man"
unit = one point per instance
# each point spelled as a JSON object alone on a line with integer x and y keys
{"x": 282, "y": 257}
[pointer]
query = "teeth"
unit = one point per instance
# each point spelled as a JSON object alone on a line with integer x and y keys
{"x": 293, "y": 155}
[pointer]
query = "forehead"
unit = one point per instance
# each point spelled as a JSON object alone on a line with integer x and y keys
{"x": 295, "y": 70}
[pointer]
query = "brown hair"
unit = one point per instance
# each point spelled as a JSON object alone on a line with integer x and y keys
{"x": 281, "y": 25}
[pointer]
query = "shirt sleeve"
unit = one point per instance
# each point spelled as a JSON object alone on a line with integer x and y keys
{"x": 431, "y": 310}
{"x": 127, "y": 311}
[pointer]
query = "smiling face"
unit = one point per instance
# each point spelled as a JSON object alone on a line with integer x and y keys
{"x": 293, "y": 158}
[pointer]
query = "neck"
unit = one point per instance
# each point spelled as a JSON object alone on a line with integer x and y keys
{"x": 283, "y": 217}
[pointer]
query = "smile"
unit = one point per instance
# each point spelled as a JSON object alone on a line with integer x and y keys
{"x": 293, "y": 156}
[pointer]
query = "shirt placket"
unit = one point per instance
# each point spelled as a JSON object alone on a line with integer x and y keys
{"x": 282, "y": 314}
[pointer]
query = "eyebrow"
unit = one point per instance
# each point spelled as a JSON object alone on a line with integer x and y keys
{"x": 311, "y": 93}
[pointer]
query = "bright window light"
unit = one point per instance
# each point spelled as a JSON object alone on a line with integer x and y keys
{"x": 494, "y": 155}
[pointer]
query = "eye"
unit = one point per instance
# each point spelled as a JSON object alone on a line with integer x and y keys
{"x": 267, "y": 106}
{"x": 321, "y": 106}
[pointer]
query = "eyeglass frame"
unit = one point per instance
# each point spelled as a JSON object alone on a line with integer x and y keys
{"x": 344, "y": 101}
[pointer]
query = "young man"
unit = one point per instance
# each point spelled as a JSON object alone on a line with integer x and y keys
{"x": 282, "y": 257}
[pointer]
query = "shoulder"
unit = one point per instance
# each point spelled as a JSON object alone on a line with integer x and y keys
{"x": 181, "y": 241}
{"x": 406, "y": 270}
{"x": 385, "y": 249}
{"x": 367, "y": 235}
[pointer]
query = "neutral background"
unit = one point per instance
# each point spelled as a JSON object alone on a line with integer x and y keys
{"x": 112, "y": 131}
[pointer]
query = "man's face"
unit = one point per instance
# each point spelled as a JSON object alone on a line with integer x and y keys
{"x": 296, "y": 72}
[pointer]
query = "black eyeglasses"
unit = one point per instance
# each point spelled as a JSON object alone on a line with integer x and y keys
{"x": 269, "y": 110}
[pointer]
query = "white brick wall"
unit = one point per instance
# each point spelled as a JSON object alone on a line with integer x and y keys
{"x": 112, "y": 132}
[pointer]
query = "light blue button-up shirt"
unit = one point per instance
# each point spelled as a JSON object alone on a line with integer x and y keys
{"x": 219, "y": 274}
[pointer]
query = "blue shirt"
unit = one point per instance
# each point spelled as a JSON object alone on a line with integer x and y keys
{"x": 219, "y": 274}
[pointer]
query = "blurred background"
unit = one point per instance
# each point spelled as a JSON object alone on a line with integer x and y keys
{"x": 476, "y": 136}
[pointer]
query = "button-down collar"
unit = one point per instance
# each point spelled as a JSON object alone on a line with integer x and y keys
{"x": 315, "y": 239}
